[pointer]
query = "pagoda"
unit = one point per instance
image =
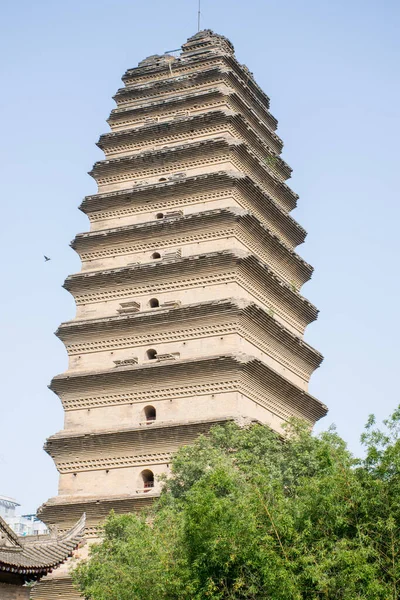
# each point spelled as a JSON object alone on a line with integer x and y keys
{"x": 189, "y": 310}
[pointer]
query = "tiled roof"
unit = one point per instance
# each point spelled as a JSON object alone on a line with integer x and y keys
{"x": 36, "y": 556}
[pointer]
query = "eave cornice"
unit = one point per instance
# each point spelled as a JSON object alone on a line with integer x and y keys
{"x": 149, "y": 317}
{"x": 78, "y": 442}
{"x": 169, "y": 103}
{"x": 149, "y": 130}
{"x": 73, "y": 381}
{"x": 142, "y": 191}
{"x": 159, "y": 155}
{"x": 63, "y": 510}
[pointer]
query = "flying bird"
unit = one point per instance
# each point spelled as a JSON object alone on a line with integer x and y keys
{"x": 46, "y": 258}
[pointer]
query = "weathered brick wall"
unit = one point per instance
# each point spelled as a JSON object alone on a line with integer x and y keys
{"x": 13, "y": 592}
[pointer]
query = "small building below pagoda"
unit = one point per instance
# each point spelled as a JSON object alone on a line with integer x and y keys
{"x": 24, "y": 560}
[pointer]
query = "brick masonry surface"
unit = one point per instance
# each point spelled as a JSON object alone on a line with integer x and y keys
{"x": 12, "y": 592}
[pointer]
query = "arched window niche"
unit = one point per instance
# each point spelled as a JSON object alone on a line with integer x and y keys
{"x": 154, "y": 303}
{"x": 151, "y": 354}
{"x": 155, "y": 255}
{"x": 146, "y": 482}
{"x": 150, "y": 414}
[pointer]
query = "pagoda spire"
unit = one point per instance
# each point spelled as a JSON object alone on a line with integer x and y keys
{"x": 199, "y": 16}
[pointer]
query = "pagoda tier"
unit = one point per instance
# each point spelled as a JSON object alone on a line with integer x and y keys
{"x": 191, "y": 129}
{"x": 161, "y": 378}
{"x": 108, "y": 340}
{"x": 196, "y": 103}
{"x": 190, "y": 159}
{"x": 112, "y": 459}
{"x": 215, "y": 76}
{"x": 221, "y": 189}
{"x": 189, "y": 312}
{"x": 232, "y": 326}
{"x": 209, "y": 116}
{"x": 211, "y": 276}
{"x": 230, "y": 228}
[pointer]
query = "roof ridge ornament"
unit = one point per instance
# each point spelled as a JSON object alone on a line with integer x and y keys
{"x": 8, "y": 538}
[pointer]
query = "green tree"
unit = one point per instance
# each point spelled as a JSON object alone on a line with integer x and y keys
{"x": 246, "y": 515}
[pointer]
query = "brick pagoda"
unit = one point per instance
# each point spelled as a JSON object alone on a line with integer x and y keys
{"x": 189, "y": 305}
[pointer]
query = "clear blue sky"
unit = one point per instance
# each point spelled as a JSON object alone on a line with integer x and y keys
{"x": 331, "y": 70}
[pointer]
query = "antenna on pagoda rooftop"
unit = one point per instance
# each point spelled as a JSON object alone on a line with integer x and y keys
{"x": 199, "y": 16}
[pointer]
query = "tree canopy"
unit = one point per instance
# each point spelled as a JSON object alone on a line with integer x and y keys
{"x": 246, "y": 515}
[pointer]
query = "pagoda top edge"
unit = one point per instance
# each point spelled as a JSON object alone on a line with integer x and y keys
{"x": 206, "y": 46}
{"x": 201, "y": 43}
{"x": 203, "y": 40}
